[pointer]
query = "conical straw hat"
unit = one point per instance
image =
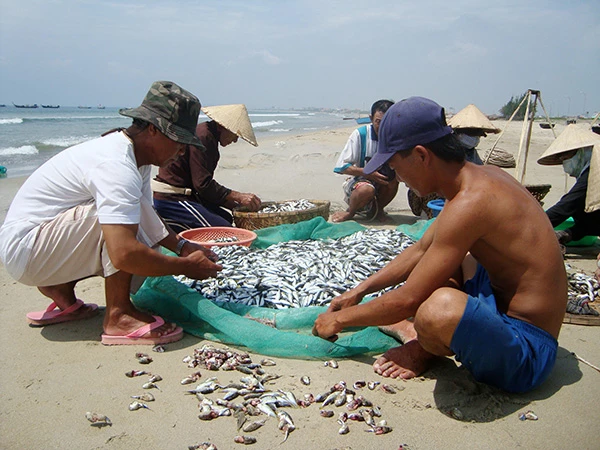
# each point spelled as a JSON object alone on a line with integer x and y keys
{"x": 572, "y": 138}
{"x": 592, "y": 196}
{"x": 234, "y": 118}
{"x": 471, "y": 117}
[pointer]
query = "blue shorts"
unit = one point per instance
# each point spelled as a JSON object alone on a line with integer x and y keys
{"x": 497, "y": 349}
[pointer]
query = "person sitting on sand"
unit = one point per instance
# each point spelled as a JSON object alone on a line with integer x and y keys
{"x": 186, "y": 195}
{"x": 365, "y": 194}
{"x": 472, "y": 284}
{"x": 88, "y": 212}
{"x": 573, "y": 149}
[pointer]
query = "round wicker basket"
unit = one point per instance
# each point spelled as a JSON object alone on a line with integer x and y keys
{"x": 539, "y": 191}
{"x": 256, "y": 220}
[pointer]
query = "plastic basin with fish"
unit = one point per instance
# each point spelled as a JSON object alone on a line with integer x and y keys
{"x": 436, "y": 206}
{"x": 219, "y": 236}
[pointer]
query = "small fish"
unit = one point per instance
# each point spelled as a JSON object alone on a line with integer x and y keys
{"x": 97, "y": 419}
{"x": 344, "y": 428}
{"x": 135, "y": 373}
{"x": 331, "y": 363}
{"x": 373, "y": 384}
{"x": 326, "y": 413}
{"x": 268, "y": 362}
{"x": 244, "y": 440}
{"x": 305, "y": 380}
{"x": 154, "y": 378}
{"x": 359, "y": 384}
{"x": 143, "y": 358}
{"x": 150, "y": 385}
{"x": 147, "y": 397}
{"x": 202, "y": 446}
{"x": 387, "y": 388}
{"x": 528, "y": 415}
{"x": 380, "y": 430}
{"x": 253, "y": 426}
{"x": 133, "y": 406}
{"x": 158, "y": 348}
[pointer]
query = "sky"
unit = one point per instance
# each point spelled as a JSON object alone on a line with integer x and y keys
{"x": 303, "y": 53}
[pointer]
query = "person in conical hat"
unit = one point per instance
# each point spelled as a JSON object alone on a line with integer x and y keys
{"x": 578, "y": 150}
{"x": 186, "y": 195}
{"x": 469, "y": 125}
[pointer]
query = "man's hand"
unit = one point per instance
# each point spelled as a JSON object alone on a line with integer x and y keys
{"x": 377, "y": 178}
{"x": 326, "y": 327}
{"x": 347, "y": 299}
{"x": 203, "y": 261}
{"x": 248, "y": 200}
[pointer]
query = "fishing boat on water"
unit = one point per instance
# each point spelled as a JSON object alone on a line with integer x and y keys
{"x": 359, "y": 120}
{"x": 101, "y": 107}
{"x": 51, "y": 106}
{"x": 84, "y": 107}
{"x": 26, "y": 106}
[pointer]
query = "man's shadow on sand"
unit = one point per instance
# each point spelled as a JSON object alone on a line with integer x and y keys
{"x": 459, "y": 396}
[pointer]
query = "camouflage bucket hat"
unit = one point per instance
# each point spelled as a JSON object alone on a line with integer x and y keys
{"x": 171, "y": 109}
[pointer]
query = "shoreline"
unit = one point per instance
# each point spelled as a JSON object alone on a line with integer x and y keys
{"x": 53, "y": 375}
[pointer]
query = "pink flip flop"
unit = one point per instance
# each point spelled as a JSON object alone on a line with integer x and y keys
{"x": 136, "y": 337}
{"x": 53, "y": 314}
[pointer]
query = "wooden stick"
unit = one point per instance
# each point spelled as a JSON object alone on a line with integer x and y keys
{"x": 505, "y": 127}
{"x": 522, "y": 140}
{"x": 585, "y": 362}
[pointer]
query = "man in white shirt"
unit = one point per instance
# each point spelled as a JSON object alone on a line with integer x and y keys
{"x": 88, "y": 212}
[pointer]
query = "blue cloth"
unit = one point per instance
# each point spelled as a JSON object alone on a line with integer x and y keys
{"x": 497, "y": 349}
{"x": 185, "y": 215}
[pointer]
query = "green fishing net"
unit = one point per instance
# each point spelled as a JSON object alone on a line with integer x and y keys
{"x": 241, "y": 325}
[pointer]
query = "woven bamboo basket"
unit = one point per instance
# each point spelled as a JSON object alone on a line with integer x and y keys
{"x": 539, "y": 191}
{"x": 256, "y": 220}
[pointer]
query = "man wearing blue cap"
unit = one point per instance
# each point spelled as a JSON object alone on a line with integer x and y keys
{"x": 472, "y": 284}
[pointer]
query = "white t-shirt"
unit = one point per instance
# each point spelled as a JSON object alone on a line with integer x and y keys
{"x": 352, "y": 155}
{"x": 102, "y": 170}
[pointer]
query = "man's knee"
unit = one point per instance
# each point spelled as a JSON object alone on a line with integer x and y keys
{"x": 440, "y": 313}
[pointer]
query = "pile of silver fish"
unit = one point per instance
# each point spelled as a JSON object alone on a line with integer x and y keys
{"x": 583, "y": 289}
{"x": 291, "y": 206}
{"x": 298, "y": 273}
{"x": 254, "y": 399}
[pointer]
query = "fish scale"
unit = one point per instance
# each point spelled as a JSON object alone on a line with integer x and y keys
{"x": 296, "y": 274}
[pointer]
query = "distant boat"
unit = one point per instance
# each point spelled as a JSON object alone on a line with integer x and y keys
{"x": 51, "y": 106}
{"x": 2, "y": 106}
{"x": 26, "y": 106}
{"x": 101, "y": 107}
{"x": 84, "y": 107}
{"x": 359, "y": 120}
{"x": 546, "y": 125}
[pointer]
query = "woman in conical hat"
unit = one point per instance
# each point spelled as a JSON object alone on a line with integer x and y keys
{"x": 578, "y": 150}
{"x": 469, "y": 125}
{"x": 186, "y": 194}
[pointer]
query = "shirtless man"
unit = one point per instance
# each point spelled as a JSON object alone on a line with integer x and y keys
{"x": 486, "y": 282}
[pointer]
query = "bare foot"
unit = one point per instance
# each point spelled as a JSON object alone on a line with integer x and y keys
{"x": 341, "y": 216}
{"x": 123, "y": 324}
{"x": 403, "y": 331}
{"x": 383, "y": 217}
{"x": 405, "y": 362}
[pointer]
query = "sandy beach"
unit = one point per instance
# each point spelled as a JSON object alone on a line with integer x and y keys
{"x": 52, "y": 376}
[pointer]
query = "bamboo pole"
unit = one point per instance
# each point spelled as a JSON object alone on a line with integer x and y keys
{"x": 505, "y": 128}
{"x": 523, "y": 133}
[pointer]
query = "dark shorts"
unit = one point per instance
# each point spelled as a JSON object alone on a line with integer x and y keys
{"x": 497, "y": 349}
{"x": 185, "y": 215}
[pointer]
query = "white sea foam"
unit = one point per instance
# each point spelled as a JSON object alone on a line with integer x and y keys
{"x": 23, "y": 150}
{"x": 66, "y": 141}
{"x": 10, "y": 121}
{"x": 274, "y": 115}
{"x": 279, "y": 130}
{"x": 269, "y": 123}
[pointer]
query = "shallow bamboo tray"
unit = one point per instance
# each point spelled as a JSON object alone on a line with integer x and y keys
{"x": 255, "y": 220}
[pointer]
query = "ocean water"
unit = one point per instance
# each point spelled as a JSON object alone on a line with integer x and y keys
{"x": 29, "y": 137}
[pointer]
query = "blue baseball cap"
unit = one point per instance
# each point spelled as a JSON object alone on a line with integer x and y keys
{"x": 409, "y": 122}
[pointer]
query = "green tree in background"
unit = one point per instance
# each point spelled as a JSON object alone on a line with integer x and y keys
{"x": 509, "y": 108}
